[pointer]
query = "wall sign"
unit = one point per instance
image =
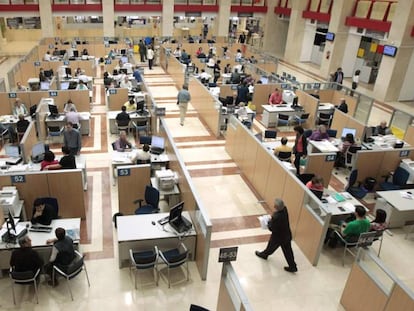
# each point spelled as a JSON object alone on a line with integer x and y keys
{"x": 228, "y": 254}
{"x": 112, "y": 91}
{"x": 37, "y": 64}
{"x": 12, "y": 95}
{"x": 404, "y": 153}
{"x": 124, "y": 172}
{"x": 18, "y": 179}
{"x": 330, "y": 158}
{"x": 53, "y": 93}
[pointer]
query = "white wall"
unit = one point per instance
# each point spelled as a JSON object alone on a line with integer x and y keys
{"x": 307, "y": 43}
{"x": 407, "y": 90}
{"x": 350, "y": 55}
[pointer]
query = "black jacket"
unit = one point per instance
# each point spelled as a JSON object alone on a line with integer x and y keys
{"x": 279, "y": 225}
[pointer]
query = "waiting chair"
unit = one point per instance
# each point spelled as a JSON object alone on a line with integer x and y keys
{"x": 143, "y": 260}
{"x": 379, "y": 235}
{"x": 71, "y": 271}
{"x": 140, "y": 125}
{"x": 123, "y": 127}
{"x": 284, "y": 156}
{"x": 303, "y": 118}
{"x": 24, "y": 277}
{"x": 283, "y": 120}
{"x": 55, "y": 132}
{"x": 269, "y": 134}
{"x": 364, "y": 240}
{"x": 359, "y": 191}
{"x": 152, "y": 199}
{"x": 399, "y": 179}
{"x": 174, "y": 258}
{"x": 332, "y": 133}
{"x": 325, "y": 119}
{"x": 350, "y": 156}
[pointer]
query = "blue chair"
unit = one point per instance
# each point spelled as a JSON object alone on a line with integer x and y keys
{"x": 332, "y": 133}
{"x": 174, "y": 258}
{"x": 307, "y": 133}
{"x": 152, "y": 199}
{"x": 359, "y": 191}
{"x": 144, "y": 260}
{"x": 325, "y": 118}
{"x": 54, "y": 132}
{"x": 399, "y": 179}
{"x": 53, "y": 202}
{"x": 283, "y": 120}
{"x": 24, "y": 277}
{"x": 303, "y": 118}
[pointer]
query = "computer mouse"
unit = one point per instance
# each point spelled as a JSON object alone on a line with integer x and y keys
{"x": 153, "y": 223}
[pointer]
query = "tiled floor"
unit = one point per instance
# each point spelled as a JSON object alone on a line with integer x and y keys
{"x": 233, "y": 208}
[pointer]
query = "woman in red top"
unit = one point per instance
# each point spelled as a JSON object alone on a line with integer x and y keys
{"x": 315, "y": 184}
{"x": 275, "y": 98}
{"x": 300, "y": 147}
{"x": 49, "y": 159}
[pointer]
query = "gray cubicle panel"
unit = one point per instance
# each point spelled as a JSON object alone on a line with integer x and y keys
{"x": 176, "y": 70}
{"x": 27, "y": 142}
{"x": 321, "y": 164}
{"x": 132, "y": 180}
{"x": 116, "y": 99}
{"x": 409, "y": 135}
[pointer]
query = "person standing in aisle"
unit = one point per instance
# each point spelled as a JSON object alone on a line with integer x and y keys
{"x": 355, "y": 81}
{"x": 183, "y": 98}
{"x": 300, "y": 149}
{"x": 142, "y": 50}
{"x": 150, "y": 56}
{"x": 281, "y": 236}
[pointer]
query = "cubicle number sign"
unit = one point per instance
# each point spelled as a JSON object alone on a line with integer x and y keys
{"x": 124, "y": 172}
{"x": 66, "y": 63}
{"x": 228, "y": 254}
{"x": 51, "y": 46}
{"x": 112, "y": 91}
{"x": 330, "y": 158}
{"x": 37, "y": 64}
{"x": 12, "y": 95}
{"x": 108, "y": 61}
{"x": 404, "y": 153}
{"x": 18, "y": 179}
{"x": 160, "y": 111}
{"x": 53, "y": 93}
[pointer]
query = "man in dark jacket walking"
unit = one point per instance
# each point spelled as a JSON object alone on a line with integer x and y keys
{"x": 281, "y": 236}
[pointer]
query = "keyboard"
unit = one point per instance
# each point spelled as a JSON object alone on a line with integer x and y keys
{"x": 181, "y": 225}
{"x": 40, "y": 229}
{"x": 164, "y": 220}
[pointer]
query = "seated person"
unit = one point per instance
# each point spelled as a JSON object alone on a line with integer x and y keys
{"x": 205, "y": 76}
{"x": 62, "y": 254}
{"x": 130, "y": 105}
{"x": 342, "y": 106}
{"x": 199, "y": 51}
{"x": 142, "y": 155}
{"x": 252, "y": 60}
{"x": 25, "y": 258}
{"x": 276, "y": 98}
{"x": 123, "y": 118}
{"x": 42, "y": 213}
{"x": 383, "y": 129}
{"x": 49, "y": 159}
{"x": 19, "y": 108}
{"x": 242, "y": 115}
{"x": 81, "y": 86}
{"x": 380, "y": 221}
{"x": 235, "y": 78}
{"x": 107, "y": 79}
{"x": 85, "y": 52}
{"x": 42, "y": 76}
{"x": 68, "y": 161}
{"x": 20, "y": 87}
{"x": 22, "y": 124}
{"x": 319, "y": 134}
{"x": 341, "y": 155}
{"x": 78, "y": 72}
{"x": 122, "y": 144}
{"x": 69, "y": 106}
{"x": 137, "y": 74}
{"x": 238, "y": 56}
{"x": 126, "y": 84}
{"x": 74, "y": 117}
{"x": 315, "y": 184}
{"x": 185, "y": 58}
{"x": 283, "y": 147}
{"x": 177, "y": 53}
{"x": 227, "y": 69}
{"x": 56, "y": 52}
{"x": 47, "y": 57}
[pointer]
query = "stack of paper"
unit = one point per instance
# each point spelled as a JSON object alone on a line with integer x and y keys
{"x": 264, "y": 220}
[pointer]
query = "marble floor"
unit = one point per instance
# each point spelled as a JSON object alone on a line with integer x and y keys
{"x": 233, "y": 207}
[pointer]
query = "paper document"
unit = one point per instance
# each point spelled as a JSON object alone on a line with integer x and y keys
{"x": 73, "y": 234}
{"x": 406, "y": 195}
{"x": 264, "y": 220}
{"x": 349, "y": 207}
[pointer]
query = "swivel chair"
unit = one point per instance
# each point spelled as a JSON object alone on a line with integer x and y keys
{"x": 399, "y": 179}
{"x": 303, "y": 118}
{"x": 358, "y": 191}
{"x": 283, "y": 120}
{"x": 152, "y": 199}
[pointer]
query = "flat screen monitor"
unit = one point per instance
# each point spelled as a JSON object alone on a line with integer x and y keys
{"x": 123, "y": 51}
{"x": 64, "y": 85}
{"x": 123, "y": 70}
{"x": 145, "y": 140}
{"x": 68, "y": 71}
{"x": 33, "y": 109}
{"x": 44, "y": 86}
{"x": 175, "y": 212}
{"x": 10, "y": 221}
{"x": 62, "y": 52}
{"x": 12, "y": 151}
{"x": 330, "y": 36}
{"x": 38, "y": 149}
{"x": 53, "y": 109}
{"x": 295, "y": 101}
{"x": 48, "y": 73}
{"x": 369, "y": 132}
{"x": 347, "y": 130}
{"x": 124, "y": 59}
{"x": 140, "y": 106}
{"x": 72, "y": 85}
{"x": 75, "y": 53}
{"x": 390, "y": 50}
{"x": 157, "y": 142}
{"x": 264, "y": 80}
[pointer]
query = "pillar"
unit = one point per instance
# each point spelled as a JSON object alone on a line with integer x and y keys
{"x": 46, "y": 19}
{"x": 223, "y": 18}
{"x": 275, "y": 31}
{"x": 167, "y": 18}
{"x": 108, "y": 15}
{"x": 394, "y": 71}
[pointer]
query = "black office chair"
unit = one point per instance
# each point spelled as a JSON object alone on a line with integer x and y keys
{"x": 399, "y": 179}
{"x": 358, "y": 191}
{"x": 351, "y": 155}
{"x": 332, "y": 133}
{"x": 53, "y": 202}
{"x": 284, "y": 156}
{"x": 304, "y": 178}
{"x": 270, "y": 134}
{"x": 152, "y": 199}
{"x": 303, "y": 118}
{"x": 24, "y": 277}
{"x": 324, "y": 118}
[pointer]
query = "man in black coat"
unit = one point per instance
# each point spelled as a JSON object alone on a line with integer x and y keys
{"x": 281, "y": 236}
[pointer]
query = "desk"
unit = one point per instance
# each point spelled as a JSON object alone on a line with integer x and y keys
{"x": 323, "y": 146}
{"x": 270, "y": 114}
{"x": 326, "y": 107}
{"x": 12, "y": 120}
{"x": 399, "y": 209}
{"x": 224, "y": 117}
{"x": 348, "y": 205}
{"x": 38, "y": 240}
{"x": 111, "y": 115}
{"x": 138, "y": 232}
{"x": 172, "y": 196}
{"x": 225, "y": 77}
{"x": 383, "y": 143}
{"x": 408, "y": 165}
{"x": 85, "y": 121}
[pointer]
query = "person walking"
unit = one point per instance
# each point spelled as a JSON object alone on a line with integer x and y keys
{"x": 281, "y": 236}
{"x": 300, "y": 149}
{"x": 150, "y": 57}
{"x": 183, "y": 98}
{"x": 142, "y": 50}
{"x": 355, "y": 81}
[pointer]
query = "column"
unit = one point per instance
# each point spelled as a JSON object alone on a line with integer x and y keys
{"x": 108, "y": 15}
{"x": 343, "y": 50}
{"x": 294, "y": 41}
{"x": 167, "y": 18}
{"x": 275, "y": 31}
{"x": 46, "y": 19}
{"x": 394, "y": 71}
{"x": 223, "y": 18}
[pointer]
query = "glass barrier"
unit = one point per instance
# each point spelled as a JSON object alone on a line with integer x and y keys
{"x": 363, "y": 108}
{"x": 399, "y": 123}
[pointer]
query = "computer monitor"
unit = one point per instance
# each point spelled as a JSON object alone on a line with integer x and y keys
{"x": 64, "y": 85}
{"x": 10, "y": 221}
{"x": 369, "y": 132}
{"x": 48, "y": 73}
{"x": 346, "y": 131}
{"x": 53, "y": 109}
{"x": 38, "y": 150}
{"x": 124, "y": 59}
{"x": 68, "y": 72}
{"x": 62, "y": 52}
{"x": 264, "y": 80}
{"x": 44, "y": 86}
{"x": 295, "y": 101}
{"x": 75, "y": 53}
{"x": 72, "y": 85}
{"x": 33, "y": 110}
{"x": 140, "y": 106}
{"x": 318, "y": 193}
{"x": 175, "y": 212}
{"x": 123, "y": 51}
{"x": 123, "y": 70}
{"x": 157, "y": 142}
{"x": 12, "y": 151}
{"x": 145, "y": 140}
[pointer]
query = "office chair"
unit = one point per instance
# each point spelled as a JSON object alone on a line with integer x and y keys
{"x": 53, "y": 202}
{"x": 351, "y": 155}
{"x": 152, "y": 199}
{"x": 284, "y": 156}
{"x": 55, "y": 132}
{"x": 363, "y": 240}
{"x": 303, "y": 118}
{"x": 71, "y": 271}
{"x": 325, "y": 119}
{"x": 283, "y": 120}
{"x": 143, "y": 260}
{"x": 140, "y": 125}
{"x": 358, "y": 191}
{"x": 113, "y": 146}
{"x": 304, "y": 178}
{"x": 307, "y": 133}
{"x": 399, "y": 179}
{"x": 174, "y": 258}
{"x": 23, "y": 277}
{"x": 270, "y": 134}
{"x": 332, "y": 133}
{"x": 123, "y": 126}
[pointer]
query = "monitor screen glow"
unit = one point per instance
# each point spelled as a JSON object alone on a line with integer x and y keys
{"x": 346, "y": 131}
{"x": 124, "y": 59}
{"x": 64, "y": 85}
{"x": 390, "y": 50}
{"x": 44, "y": 86}
{"x": 264, "y": 80}
{"x": 330, "y": 36}
{"x": 157, "y": 142}
{"x": 12, "y": 151}
{"x": 38, "y": 149}
{"x": 145, "y": 140}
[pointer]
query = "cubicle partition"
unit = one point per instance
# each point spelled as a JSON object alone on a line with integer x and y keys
{"x": 261, "y": 95}
{"x": 310, "y": 105}
{"x": 373, "y": 286}
{"x": 116, "y": 98}
{"x": 29, "y": 139}
{"x": 334, "y": 97}
{"x": 341, "y": 120}
{"x": 409, "y": 135}
{"x": 175, "y": 69}
{"x": 321, "y": 164}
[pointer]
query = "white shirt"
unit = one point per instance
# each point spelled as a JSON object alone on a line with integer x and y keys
{"x": 126, "y": 84}
{"x": 47, "y": 57}
{"x": 239, "y": 55}
{"x": 150, "y": 54}
{"x": 242, "y": 113}
{"x": 72, "y": 117}
{"x": 205, "y": 75}
{"x": 355, "y": 78}
{"x": 177, "y": 53}
{"x": 211, "y": 62}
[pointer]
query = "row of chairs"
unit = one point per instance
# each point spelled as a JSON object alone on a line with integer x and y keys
{"x": 138, "y": 125}
{"x": 149, "y": 259}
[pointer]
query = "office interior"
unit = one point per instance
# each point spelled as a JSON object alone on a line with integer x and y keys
{"x": 215, "y": 173}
